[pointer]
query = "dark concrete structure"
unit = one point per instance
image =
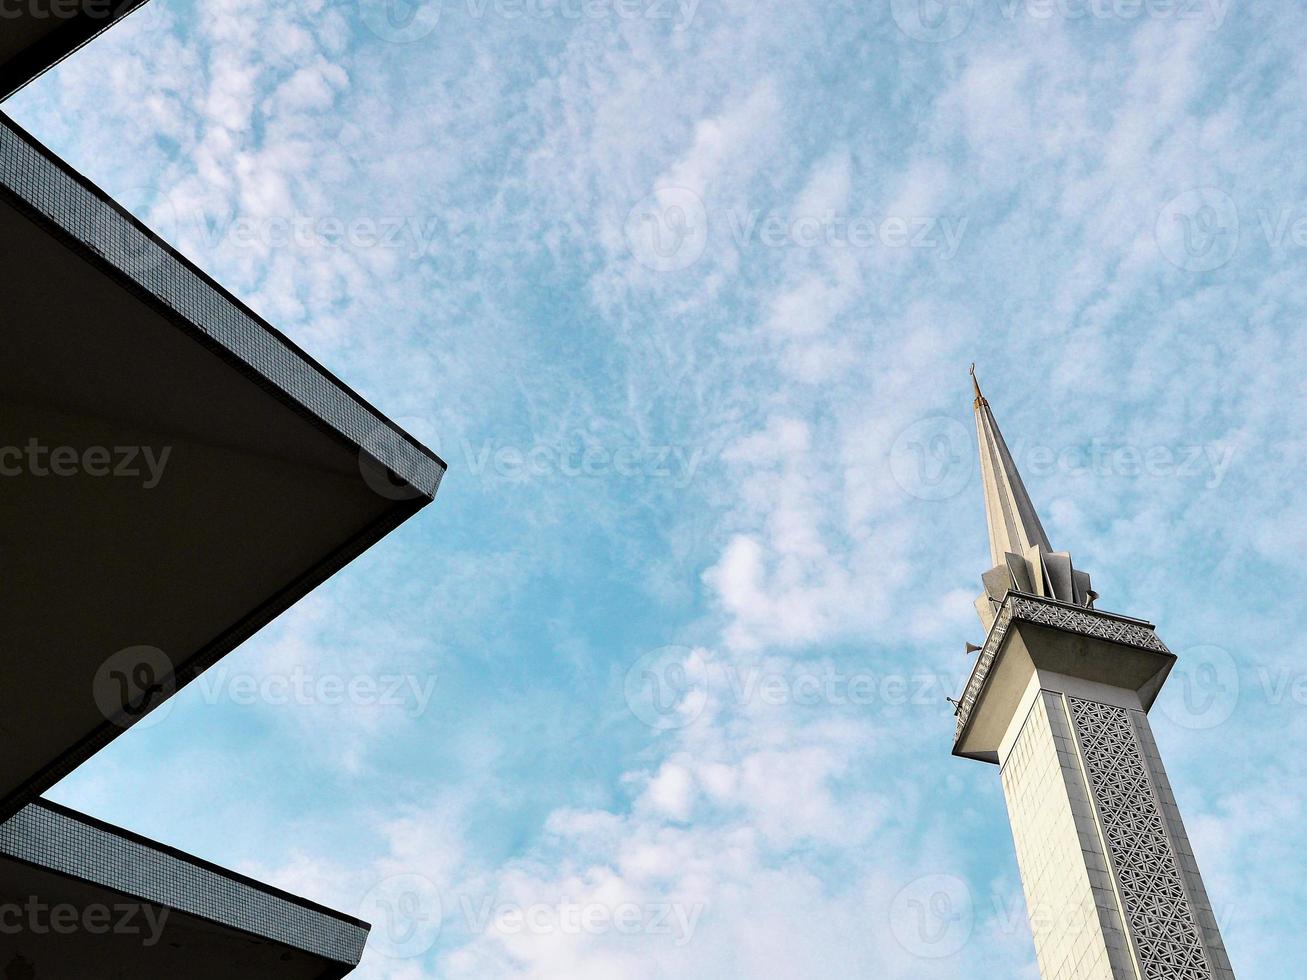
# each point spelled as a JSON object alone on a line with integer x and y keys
{"x": 258, "y": 473}
{"x": 175, "y": 473}
{"x": 81, "y": 899}
{"x": 37, "y": 34}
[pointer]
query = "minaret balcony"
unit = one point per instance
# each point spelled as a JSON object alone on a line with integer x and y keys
{"x": 1037, "y": 642}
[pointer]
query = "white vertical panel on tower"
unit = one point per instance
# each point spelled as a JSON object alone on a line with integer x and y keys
{"x": 1072, "y": 905}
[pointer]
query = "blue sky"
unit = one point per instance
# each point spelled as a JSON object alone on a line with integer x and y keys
{"x": 686, "y": 293}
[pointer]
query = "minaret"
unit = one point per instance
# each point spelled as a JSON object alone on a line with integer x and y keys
{"x": 1059, "y": 700}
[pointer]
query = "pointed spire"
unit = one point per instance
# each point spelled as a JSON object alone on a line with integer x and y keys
{"x": 980, "y": 399}
{"x": 1014, "y": 526}
{"x": 1023, "y": 558}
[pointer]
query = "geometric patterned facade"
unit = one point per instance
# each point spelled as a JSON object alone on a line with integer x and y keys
{"x": 1112, "y": 889}
{"x": 1161, "y": 914}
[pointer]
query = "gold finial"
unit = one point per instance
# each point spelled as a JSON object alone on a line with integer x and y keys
{"x": 980, "y": 399}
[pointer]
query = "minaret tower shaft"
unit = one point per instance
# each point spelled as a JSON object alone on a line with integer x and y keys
{"x": 1059, "y": 699}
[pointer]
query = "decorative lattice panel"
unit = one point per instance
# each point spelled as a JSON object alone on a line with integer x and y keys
{"x": 1088, "y": 622}
{"x": 1161, "y": 920}
{"x": 983, "y": 664}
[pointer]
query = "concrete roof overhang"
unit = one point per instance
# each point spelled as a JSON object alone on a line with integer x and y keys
{"x": 35, "y": 35}
{"x": 1028, "y": 650}
{"x": 80, "y": 898}
{"x": 125, "y": 579}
